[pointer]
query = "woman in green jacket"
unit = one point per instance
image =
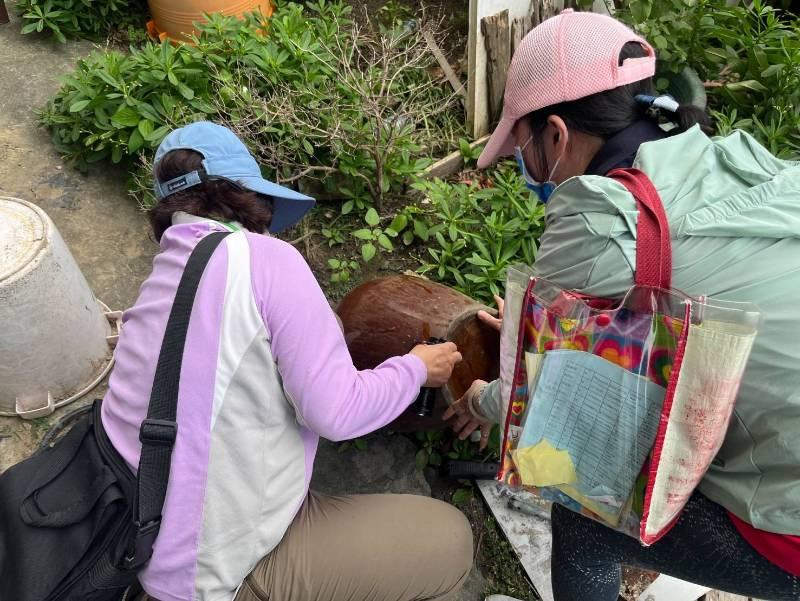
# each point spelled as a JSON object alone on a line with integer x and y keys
{"x": 579, "y": 102}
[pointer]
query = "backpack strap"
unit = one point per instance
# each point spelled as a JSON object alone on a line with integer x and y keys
{"x": 158, "y": 432}
{"x": 653, "y": 246}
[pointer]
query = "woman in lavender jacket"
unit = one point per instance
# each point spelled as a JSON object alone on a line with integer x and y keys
{"x": 265, "y": 373}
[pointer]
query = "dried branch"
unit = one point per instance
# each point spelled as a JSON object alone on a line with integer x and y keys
{"x": 376, "y": 106}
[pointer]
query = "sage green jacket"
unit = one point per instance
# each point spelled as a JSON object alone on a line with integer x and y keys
{"x": 734, "y": 214}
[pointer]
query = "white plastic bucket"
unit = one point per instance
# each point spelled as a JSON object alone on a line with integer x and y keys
{"x": 54, "y": 334}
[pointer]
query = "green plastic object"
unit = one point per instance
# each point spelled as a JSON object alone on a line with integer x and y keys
{"x": 686, "y": 87}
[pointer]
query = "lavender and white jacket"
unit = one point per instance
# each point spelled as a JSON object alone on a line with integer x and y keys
{"x": 265, "y": 373}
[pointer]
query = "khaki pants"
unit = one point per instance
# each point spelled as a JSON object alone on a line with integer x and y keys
{"x": 366, "y": 548}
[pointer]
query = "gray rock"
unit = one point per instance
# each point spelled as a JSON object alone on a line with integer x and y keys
{"x": 386, "y": 466}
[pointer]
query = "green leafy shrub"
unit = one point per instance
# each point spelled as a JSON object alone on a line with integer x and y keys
{"x": 475, "y": 230}
{"x": 749, "y": 56}
{"x": 115, "y": 105}
{"x": 312, "y": 94}
{"x": 437, "y": 446}
{"x": 374, "y": 236}
{"x": 91, "y": 19}
{"x": 341, "y": 269}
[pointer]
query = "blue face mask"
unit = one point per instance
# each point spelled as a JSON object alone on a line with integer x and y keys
{"x": 543, "y": 190}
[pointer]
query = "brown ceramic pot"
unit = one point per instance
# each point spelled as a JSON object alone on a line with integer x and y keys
{"x": 388, "y": 316}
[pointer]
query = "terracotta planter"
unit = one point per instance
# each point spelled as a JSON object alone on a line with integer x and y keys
{"x": 388, "y": 316}
{"x": 175, "y": 18}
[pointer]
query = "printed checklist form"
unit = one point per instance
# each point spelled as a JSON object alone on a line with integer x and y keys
{"x": 589, "y": 427}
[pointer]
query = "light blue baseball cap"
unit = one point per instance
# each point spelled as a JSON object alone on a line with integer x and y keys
{"x": 226, "y": 156}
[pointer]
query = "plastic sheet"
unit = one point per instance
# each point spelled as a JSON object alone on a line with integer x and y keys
{"x": 616, "y": 409}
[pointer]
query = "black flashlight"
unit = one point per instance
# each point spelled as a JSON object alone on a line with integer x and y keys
{"x": 426, "y": 401}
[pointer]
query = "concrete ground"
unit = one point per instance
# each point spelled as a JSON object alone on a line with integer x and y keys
{"x": 109, "y": 237}
{"x": 101, "y": 224}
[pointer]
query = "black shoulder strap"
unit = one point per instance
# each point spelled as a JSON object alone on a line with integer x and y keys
{"x": 158, "y": 432}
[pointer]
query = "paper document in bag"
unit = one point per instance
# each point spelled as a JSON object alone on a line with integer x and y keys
{"x": 603, "y": 415}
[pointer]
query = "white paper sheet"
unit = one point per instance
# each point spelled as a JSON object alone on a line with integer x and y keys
{"x": 605, "y": 416}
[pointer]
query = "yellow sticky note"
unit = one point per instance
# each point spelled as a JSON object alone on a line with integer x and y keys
{"x": 544, "y": 465}
{"x": 533, "y": 363}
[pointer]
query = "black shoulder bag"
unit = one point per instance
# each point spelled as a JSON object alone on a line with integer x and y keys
{"x": 75, "y": 523}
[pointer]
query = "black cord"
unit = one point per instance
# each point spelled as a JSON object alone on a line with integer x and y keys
{"x": 62, "y": 423}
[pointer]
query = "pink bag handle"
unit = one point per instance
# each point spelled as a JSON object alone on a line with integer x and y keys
{"x": 653, "y": 247}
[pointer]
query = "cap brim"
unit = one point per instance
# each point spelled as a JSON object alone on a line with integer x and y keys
{"x": 289, "y": 206}
{"x": 500, "y": 144}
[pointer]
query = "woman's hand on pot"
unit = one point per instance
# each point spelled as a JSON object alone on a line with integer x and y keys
{"x": 439, "y": 359}
{"x": 465, "y": 415}
{"x": 491, "y": 320}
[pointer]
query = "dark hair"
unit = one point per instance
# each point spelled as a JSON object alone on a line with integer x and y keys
{"x": 215, "y": 198}
{"x": 607, "y": 113}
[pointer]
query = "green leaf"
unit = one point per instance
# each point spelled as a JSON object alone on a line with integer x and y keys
{"x": 347, "y": 207}
{"x": 169, "y": 102}
{"x": 108, "y": 79}
{"x": 399, "y": 223}
{"x": 77, "y": 107}
{"x": 135, "y": 142}
{"x": 145, "y": 127}
{"x": 116, "y": 154}
{"x": 158, "y": 134}
{"x": 422, "y": 164}
{"x": 361, "y": 444}
{"x": 478, "y": 260}
{"x": 641, "y": 10}
{"x": 363, "y": 234}
{"x": 334, "y": 263}
{"x": 126, "y": 117}
{"x": 384, "y": 241}
{"x": 761, "y": 57}
{"x": 30, "y": 27}
{"x": 749, "y": 84}
{"x": 452, "y": 231}
{"x": 772, "y": 70}
{"x": 408, "y": 237}
{"x": 372, "y": 218}
{"x": 435, "y": 459}
{"x": 368, "y": 252}
{"x": 421, "y": 459}
{"x": 462, "y": 496}
{"x": 185, "y": 91}
{"x": 421, "y": 230}
{"x": 148, "y": 112}
{"x": 309, "y": 148}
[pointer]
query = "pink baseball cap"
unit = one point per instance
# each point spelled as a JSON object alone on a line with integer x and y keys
{"x": 569, "y": 56}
